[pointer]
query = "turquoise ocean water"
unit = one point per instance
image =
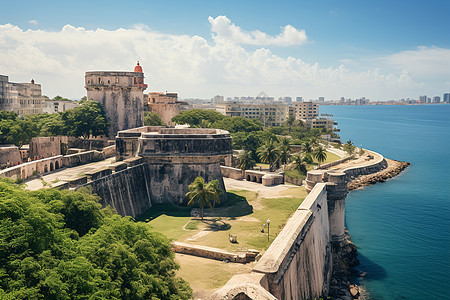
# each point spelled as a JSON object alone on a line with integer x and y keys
{"x": 402, "y": 226}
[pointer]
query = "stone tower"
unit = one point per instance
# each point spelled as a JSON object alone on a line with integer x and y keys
{"x": 122, "y": 96}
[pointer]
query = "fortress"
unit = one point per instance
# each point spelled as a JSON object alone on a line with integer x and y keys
{"x": 122, "y": 96}
{"x": 159, "y": 164}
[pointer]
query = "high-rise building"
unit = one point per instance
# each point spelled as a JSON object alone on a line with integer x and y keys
{"x": 446, "y": 98}
{"x": 21, "y": 98}
{"x": 217, "y": 98}
{"x": 423, "y": 99}
{"x": 122, "y": 96}
{"x": 299, "y": 99}
{"x": 305, "y": 110}
{"x": 436, "y": 99}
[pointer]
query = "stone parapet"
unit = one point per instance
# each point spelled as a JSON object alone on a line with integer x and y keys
{"x": 233, "y": 173}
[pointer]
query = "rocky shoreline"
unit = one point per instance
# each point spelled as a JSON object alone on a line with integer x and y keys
{"x": 345, "y": 254}
{"x": 345, "y": 259}
{"x": 393, "y": 168}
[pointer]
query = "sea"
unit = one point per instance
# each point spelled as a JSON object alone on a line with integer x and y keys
{"x": 401, "y": 227}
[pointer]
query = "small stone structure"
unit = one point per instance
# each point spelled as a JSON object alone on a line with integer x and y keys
{"x": 272, "y": 179}
{"x": 233, "y": 173}
{"x": 9, "y": 156}
{"x": 255, "y": 176}
{"x": 41, "y": 147}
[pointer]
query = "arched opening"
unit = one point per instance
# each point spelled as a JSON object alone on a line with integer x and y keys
{"x": 45, "y": 168}
{"x": 248, "y": 178}
{"x": 51, "y": 166}
{"x": 56, "y": 165}
{"x": 259, "y": 179}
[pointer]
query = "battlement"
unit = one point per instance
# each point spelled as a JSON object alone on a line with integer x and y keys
{"x": 104, "y": 79}
{"x": 154, "y": 141}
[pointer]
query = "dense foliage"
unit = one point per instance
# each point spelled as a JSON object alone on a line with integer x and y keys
{"x": 82, "y": 121}
{"x": 194, "y": 117}
{"x": 152, "y": 119}
{"x": 63, "y": 245}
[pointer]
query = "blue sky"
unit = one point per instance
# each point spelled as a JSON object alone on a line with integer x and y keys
{"x": 389, "y": 41}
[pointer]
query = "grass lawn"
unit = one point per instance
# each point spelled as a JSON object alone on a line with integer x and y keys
{"x": 330, "y": 158}
{"x": 243, "y": 214}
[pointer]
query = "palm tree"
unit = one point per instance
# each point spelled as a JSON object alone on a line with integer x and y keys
{"x": 203, "y": 193}
{"x": 349, "y": 147}
{"x": 204, "y": 124}
{"x": 285, "y": 151}
{"x": 290, "y": 122}
{"x": 314, "y": 141}
{"x": 246, "y": 161}
{"x": 268, "y": 154}
{"x": 300, "y": 163}
{"x": 320, "y": 154}
{"x": 307, "y": 147}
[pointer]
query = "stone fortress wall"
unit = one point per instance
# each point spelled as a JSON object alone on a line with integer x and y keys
{"x": 168, "y": 160}
{"x": 299, "y": 262}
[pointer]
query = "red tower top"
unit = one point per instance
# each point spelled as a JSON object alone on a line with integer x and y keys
{"x": 138, "y": 68}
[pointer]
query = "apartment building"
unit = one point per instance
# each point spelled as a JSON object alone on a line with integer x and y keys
{"x": 21, "y": 98}
{"x": 270, "y": 114}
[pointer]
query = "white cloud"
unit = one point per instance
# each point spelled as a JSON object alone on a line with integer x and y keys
{"x": 33, "y": 22}
{"x": 194, "y": 67}
{"x": 225, "y": 30}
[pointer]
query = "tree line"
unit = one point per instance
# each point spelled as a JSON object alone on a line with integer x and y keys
{"x": 87, "y": 119}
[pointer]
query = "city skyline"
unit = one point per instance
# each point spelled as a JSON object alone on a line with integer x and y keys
{"x": 375, "y": 50}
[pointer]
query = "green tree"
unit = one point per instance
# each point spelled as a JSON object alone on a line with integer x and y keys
{"x": 152, "y": 119}
{"x": 320, "y": 154}
{"x": 349, "y": 147}
{"x": 194, "y": 117}
{"x": 85, "y": 120}
{"x": 205, "y": 124}
{"x": 307, "y": 147}
{"x": 237, "y": 124}
{"x": 269, "y": 154}
{"x": 284, "y": 151}
{"x": 204, "y": 193}
{"x": 246, "y": 161}
{"x": 299, "y": 163}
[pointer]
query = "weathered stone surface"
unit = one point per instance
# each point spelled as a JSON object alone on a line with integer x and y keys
{"x": 95, "y": 174}
{"x": 127, "y": 191}
{"x": 122, "y": 96}
{"x": 9, "y": 156}
{"x": 214, "y": 253}
{"x": 298, "y": 262}
{"x": 230, "y": 172}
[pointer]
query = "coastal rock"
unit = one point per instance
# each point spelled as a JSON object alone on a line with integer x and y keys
{"x": 354, "y": 291}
